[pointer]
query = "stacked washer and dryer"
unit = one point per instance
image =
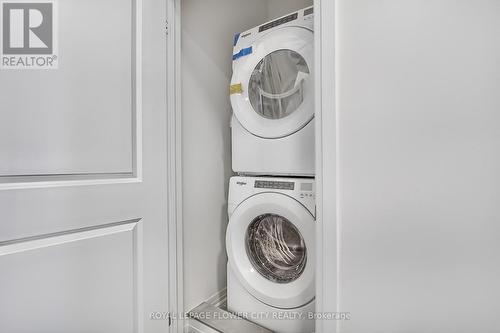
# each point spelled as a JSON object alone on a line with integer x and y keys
{"x": 271, "y": 232}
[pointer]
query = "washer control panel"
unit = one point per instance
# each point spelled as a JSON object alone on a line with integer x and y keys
{"x": 306, "y": 190}
{"x": 243, "y": 187}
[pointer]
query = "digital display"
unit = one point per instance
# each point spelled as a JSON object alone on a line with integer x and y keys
{"x": 277, "y": 185}
{"x": 306, "y": 186}
{"x": 278, "y": 22}
{"x": 309, "y": 11}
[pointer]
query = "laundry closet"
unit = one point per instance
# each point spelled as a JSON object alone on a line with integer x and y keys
{"x": 118, "y": 165}
{"x": 210, "y": 31}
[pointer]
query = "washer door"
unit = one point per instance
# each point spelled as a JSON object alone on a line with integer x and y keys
{"x": 270, "y": 246}
{"x": 276, "y": 98}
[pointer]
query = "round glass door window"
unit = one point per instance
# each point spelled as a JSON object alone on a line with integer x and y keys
{"x": 276, "y": 248}
{"x": 276, "y": 87}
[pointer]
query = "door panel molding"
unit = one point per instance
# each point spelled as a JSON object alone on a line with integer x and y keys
{"x": 57, "y": 238}
{"x": 47, "y": 181}
{"x": 16, "y": 180}
{"x": 126, "y": 236}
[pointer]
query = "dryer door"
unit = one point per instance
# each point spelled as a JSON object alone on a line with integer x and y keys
{"x": 275, "y": 95}
{"x": 270, "y": 246}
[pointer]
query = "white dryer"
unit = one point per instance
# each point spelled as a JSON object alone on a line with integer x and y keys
{"x": 270, "y": 248}
{"x": 272, "y": 96}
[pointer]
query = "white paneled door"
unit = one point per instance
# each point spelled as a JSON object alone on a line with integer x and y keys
{"x": 83, "y": 166}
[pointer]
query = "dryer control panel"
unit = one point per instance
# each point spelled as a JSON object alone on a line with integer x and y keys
{"x": 278, "y": 22}
{"x": 243, "y": 42}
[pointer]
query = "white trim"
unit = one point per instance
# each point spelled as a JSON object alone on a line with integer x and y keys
{"x": 30, "y": 244}
{"x": 327, "y": 236}
{"x": 137, "y": 47}
{"x": 174, "y": 172}
{"x": 139, "y": 276}
{"x": 63, "y": 183}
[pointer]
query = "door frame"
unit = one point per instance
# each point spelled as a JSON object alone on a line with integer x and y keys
{"x": 174, "y": 163}
{"x": 327, "y": 172}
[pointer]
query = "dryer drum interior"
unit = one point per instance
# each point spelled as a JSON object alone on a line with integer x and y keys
{"x": 276, "y": 86}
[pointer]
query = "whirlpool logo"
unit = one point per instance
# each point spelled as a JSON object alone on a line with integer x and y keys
{"x": 29, "y": 35}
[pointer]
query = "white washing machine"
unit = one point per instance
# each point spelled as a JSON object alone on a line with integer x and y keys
{"x": 272, "y": 96}
{"x": 270, "y": 248}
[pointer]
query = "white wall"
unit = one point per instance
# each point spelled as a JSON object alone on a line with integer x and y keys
{"x": 207, "y": 35}
{"x": 277, "y": 8}
{"x": 418, "y": 102}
